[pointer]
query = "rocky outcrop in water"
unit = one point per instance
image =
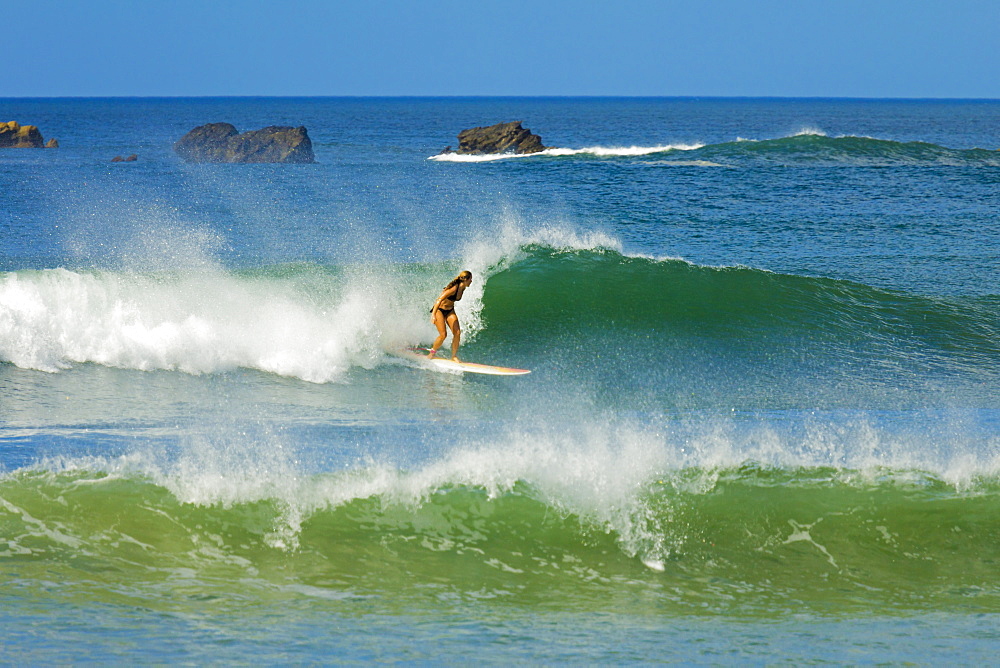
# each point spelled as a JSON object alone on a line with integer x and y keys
{"x": 500, "y": 138}
{"x": 222, "y": 142}
{"x": 15, "y": 135}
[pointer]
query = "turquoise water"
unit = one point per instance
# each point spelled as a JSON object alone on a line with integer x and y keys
{"x": 762, "y": 423}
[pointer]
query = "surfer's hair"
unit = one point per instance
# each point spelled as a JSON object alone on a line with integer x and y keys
{"x": 464, "y": 275}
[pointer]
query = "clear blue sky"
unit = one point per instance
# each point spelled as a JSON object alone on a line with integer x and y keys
{"x": 837, "y": 48}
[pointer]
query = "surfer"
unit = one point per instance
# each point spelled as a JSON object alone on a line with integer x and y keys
{"x": 443, "y": 313}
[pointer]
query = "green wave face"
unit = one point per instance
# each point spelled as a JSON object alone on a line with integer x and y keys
{"x": 670, "y": 327}
{"x": 604, "y": 289}
{"x": 741, "y": 541}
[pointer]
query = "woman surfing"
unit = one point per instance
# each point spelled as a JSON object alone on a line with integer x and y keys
{"x": 443, "y": 313}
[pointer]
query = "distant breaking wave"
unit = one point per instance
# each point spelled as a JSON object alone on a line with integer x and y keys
{"x": 807, "y": 146}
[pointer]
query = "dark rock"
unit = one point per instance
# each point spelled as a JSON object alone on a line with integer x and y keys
{"x": 15, "y": 135}
{"x": 206, "y": 143}
{"x": 131, "y": 158}
{"x": 52, "y": 143}
{"x": 117, "y": 158}
{"x": 499, "y": 138}
{"x": 221, "y": 142}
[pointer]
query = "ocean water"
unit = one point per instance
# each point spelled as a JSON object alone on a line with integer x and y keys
{"x": 762, "y": 423}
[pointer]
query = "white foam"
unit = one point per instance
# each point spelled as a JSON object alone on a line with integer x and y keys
{"x": 201, "y": 321}
{"x": 599, "y": 151}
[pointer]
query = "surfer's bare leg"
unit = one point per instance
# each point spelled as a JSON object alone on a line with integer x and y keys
{"x": 456, "y": 336}
{"x": 438, "y": 320}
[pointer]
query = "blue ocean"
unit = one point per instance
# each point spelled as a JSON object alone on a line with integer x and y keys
{"x": 762, "y": 423}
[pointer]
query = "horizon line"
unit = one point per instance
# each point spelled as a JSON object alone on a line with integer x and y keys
{"x": 496, "y": 97}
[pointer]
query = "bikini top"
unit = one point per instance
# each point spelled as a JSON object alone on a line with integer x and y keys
{"x": 449, "y": 302}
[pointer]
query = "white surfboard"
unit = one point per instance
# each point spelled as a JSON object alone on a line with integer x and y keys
{"x": 445, "y": 364}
